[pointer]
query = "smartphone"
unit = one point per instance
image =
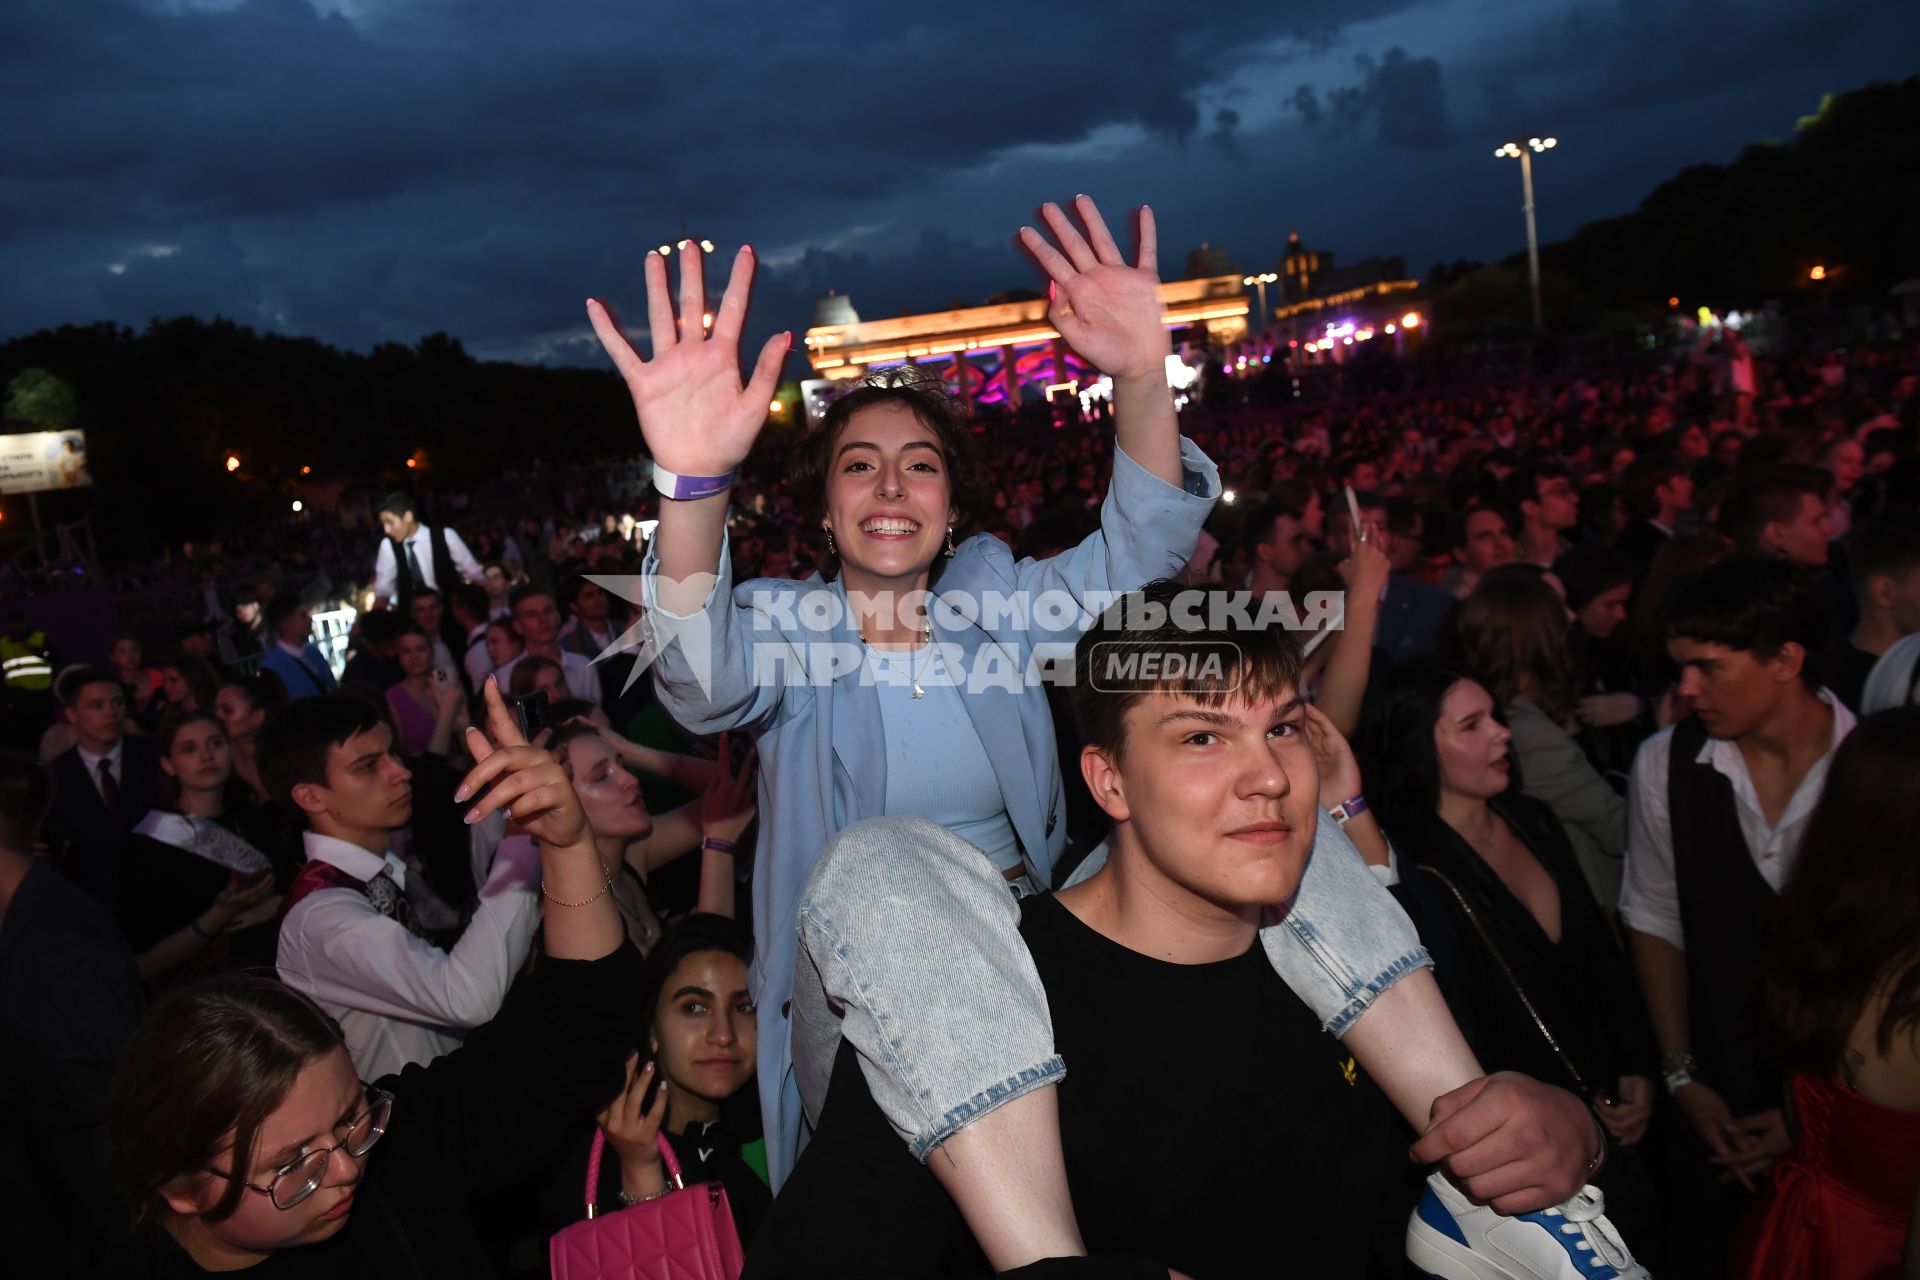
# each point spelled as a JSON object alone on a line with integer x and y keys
{"x": 442, "y": 677}
{"x": 534, "y": 712}
{"x": 1353, "y": 513}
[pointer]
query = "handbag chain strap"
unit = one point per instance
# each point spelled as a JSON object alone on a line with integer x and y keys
{"x": 1480, "y": 928}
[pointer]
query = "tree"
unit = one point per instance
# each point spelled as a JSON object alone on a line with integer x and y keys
{"x": 36, "y": 398}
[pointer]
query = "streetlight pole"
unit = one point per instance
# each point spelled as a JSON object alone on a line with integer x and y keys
{"x": 1524, "y": 152}
{"x": 1261, "y": 282}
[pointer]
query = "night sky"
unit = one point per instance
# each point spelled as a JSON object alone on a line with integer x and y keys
{"x": 365, "y": 171}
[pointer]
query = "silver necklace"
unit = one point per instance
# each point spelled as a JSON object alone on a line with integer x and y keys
{"x": 913, "y": 659}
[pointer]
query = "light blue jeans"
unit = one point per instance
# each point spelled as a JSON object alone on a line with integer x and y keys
{"x": 910, "y": 948}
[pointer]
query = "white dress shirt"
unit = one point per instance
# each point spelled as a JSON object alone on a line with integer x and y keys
{"x": 1649, "y": 896}
{"x": 583, "y": 681}
{"x": 386, "y": 570}
{"x": 398, "y": 998}
{"x": 113, "y": 756}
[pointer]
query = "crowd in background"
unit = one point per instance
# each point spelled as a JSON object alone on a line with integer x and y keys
{"x": 1534, "y": 669}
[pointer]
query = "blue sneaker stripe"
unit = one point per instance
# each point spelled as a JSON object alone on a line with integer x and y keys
{"x": 1583, "y": 1259}
{"x": 1435, "y": 1215}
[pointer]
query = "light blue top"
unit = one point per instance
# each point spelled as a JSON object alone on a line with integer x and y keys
{"x": 937, "y": 766}
{"x": 820, "y": 731}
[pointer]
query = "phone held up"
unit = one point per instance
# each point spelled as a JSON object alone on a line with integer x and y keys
{"x": 533, "y": 712}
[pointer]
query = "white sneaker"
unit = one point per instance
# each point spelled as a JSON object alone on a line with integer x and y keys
{"x": 1451, "y": 1238}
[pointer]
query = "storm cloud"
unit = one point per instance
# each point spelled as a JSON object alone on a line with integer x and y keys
{"x": 372, "y": 170}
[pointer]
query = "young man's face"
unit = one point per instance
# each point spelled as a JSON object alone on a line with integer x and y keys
{"x": 537, "y": 619}
{"x": 426, "y": 611}
{"x": 1803, "y": 539}
{"x": 1732, "y": 690}
{"x": 1286, "y": 545}
{"x": 1487, "y": 544}
{"x": 1221, "y": 801}
{"x": 1558, "y": 506}
{"x": 1677, "y": 493}
{"x": 401, "y": 525}
{"x": 367, "y": 788}
{"x": 591, "y": 604}
{"x": 100, "y": 712}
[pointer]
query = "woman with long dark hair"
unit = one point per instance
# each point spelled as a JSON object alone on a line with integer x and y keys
{"x": 1537, "y": 975}
{"x": 243, "y": 705}
{"x": 1843, "y": 992}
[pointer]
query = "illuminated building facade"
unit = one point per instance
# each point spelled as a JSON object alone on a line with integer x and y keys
{"x": 1003, "y": 354}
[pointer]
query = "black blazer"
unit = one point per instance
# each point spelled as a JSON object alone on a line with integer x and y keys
{"x": 82, "y": 834}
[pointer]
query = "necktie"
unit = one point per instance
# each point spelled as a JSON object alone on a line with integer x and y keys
{"x": 389, "y": 900}
{"x": 413, "y": 567}
{"x": 110, "y": 788}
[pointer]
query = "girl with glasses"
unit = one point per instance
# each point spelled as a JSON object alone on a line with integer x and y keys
{"x": 244, "y": 1140}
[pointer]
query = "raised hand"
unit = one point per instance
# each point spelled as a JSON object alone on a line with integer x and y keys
{"x": 1339, "y": 770}
{"x": 726, "y": 806}
{"x": 632, "y": 1130}
{"x": 525, "y": 781}
{"x": 697, "y": 416}
{"x": 1107, "y": 311}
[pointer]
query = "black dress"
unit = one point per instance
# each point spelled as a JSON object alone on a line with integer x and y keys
{"x": 1582, "y": 986}
{"x": 160, "y": 889}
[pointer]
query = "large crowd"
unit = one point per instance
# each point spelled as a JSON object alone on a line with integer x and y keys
{"x": 1560, "y": 837}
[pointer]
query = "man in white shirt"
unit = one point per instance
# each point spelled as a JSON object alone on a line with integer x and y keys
{"x": 348, "y": 937}
{"x": 536, "y": 619}
{"x": 417, "y": 555}
{"x": 1718, "y": 807}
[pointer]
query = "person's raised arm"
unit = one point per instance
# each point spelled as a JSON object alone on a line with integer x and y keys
{"x": 581, "y": 921}
{"x": 1343, "y": 689}
{"x": 1110, "y": 314}
{"x": 697, "y": 415}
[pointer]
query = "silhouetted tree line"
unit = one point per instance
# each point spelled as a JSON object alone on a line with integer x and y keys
{"x": 163, "y": 409}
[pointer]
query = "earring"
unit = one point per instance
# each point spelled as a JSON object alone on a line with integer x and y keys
{"x": 830, "y": 547}
{"x": 949, "y": 542}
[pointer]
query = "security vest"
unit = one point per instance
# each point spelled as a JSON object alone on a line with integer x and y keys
{"x": 24, "y": 662}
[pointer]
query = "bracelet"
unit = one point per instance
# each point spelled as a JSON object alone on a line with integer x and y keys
{"x": 716, "y": 844}
{"x": 1347, "y": 812}
{"x": 1679, "y": 1060}
{"x": 1678, "y": 1080}
{"x": 198, "y": 932}
{"x": 688, "y": 488}
{"x": 590, "y": 901}
{"x": 1600, "y": 1156}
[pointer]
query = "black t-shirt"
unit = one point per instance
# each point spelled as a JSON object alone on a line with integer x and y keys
{"x": 1208, "y": 1123}
{"x": 1847, "y": 672}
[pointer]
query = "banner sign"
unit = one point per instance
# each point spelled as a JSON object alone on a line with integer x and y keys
{"x": 42, "y": 460}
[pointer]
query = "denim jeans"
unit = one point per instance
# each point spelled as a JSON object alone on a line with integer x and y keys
{"x": 910, "y": 948}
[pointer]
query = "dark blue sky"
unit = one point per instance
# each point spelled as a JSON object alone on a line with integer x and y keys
{"x": 372, "y": 170}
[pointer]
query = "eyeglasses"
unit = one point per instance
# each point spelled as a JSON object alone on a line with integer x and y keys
{"x": 295, "y": 1181}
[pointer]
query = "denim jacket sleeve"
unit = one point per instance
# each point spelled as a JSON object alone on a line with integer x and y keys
{"x": 704, "y": 663}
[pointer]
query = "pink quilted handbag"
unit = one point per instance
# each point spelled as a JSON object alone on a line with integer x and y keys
{"x": 687, "y": 1234}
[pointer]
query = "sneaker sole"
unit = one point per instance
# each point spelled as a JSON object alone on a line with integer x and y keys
{"x": 1442, "y": 1258}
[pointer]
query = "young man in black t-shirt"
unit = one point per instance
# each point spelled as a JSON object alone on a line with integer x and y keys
{"x": 1208, "y": 1124}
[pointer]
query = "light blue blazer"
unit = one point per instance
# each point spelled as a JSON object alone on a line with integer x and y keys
{"x": 823, "y": 757}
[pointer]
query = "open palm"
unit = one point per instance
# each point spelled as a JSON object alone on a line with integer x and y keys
{"x": 696, "y": 414}
{"x": 1107, "y": 311}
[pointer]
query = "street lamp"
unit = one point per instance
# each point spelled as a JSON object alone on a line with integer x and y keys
{"x": 1514, "y": 148}
{"x": 1262, "y": 280}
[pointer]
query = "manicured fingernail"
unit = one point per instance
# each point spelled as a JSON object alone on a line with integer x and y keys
{"x": 461, "y": 793}
{"x": 473, "y": 816}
